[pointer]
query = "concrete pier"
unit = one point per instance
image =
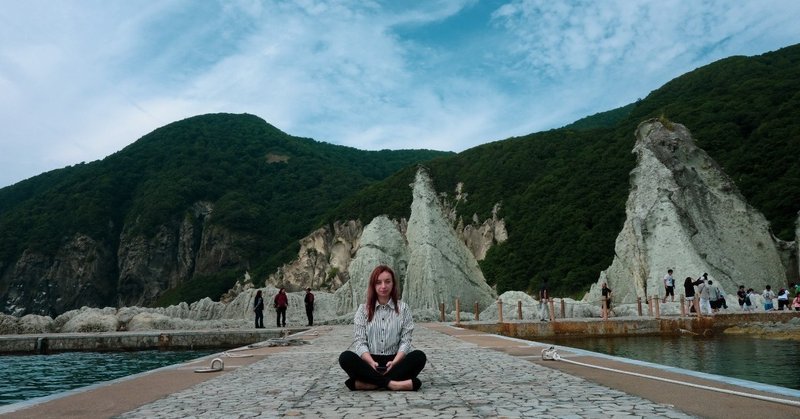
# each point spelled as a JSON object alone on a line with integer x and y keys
{"x": 628, "y": 326}
{"x": 469, "y": 374}
{"x": 136, "y": 341}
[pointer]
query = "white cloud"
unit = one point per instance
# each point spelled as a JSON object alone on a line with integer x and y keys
{"x": 81, "y": 80}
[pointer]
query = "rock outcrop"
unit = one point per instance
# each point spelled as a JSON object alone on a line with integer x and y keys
{"x": 135, "y": 271}
{"x": 323, "y": 259}
{"x": 76, "y": 275}
{"x": 381, "y": 244}
{"x": 148, "y": 266}
{"x": 480, "y": 237}
{"x": 440, "y": 267}
{"x": 684, "y": 213}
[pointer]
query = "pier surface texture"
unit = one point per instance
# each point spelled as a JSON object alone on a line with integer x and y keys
{"x": 469, "y": 374}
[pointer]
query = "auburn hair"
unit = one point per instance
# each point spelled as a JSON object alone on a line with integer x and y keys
{"x": 372, "y": 296}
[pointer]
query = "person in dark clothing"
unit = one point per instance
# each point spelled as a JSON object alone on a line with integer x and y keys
{"x": 309, "y": 300}
{"x": 258, "y": 308}
{"x": 605, "y": 291}
{"x": 741, "y": 294}
{"x": 688, "y": 288}
{"x": 281, "y": 303}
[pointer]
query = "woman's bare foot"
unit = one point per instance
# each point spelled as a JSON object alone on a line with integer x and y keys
{"x": 360, "y": 385}
{"x": 405, "y": 385}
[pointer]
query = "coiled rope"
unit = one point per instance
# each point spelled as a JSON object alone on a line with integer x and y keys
{"x": 552, "y": 354}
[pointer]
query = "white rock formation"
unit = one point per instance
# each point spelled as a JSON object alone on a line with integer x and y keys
{"x": 323, "y": 259}
{"x": 34, "y": 323}
{"x": 684, "y": 213}
{"x": 91, "y": 320}
{"x": 9, "y": 325}
{"x": 480, "y": 237}
{"x": 530, "y": 308}
{"x": 381, "y": 244}
{"x": 440, "y": 267}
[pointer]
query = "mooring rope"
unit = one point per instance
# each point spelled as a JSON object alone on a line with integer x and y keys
{"x": 552, "y": 354}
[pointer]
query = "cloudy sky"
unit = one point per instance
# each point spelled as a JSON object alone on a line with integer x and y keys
{"x": 81, "y": 79}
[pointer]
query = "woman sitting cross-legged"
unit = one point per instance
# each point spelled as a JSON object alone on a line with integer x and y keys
{"x": 382, "y": 356}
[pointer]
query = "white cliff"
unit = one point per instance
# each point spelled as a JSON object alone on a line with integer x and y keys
{"x": 323, "y": 259}
{"x": 381, "y": 244}
{"x": 684, "y": 213}
{"x": 441, "y": 268}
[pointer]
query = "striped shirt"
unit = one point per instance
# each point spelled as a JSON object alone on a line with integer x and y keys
{"x": 387, "y": 334}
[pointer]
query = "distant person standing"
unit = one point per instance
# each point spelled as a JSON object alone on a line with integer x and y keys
{"x": 783, "y": 299}
{"x": 715, "y": 296}
{"x": 741, "y": 294}
{"x": 768, "y": 296}
{"x": 258, "y": 308}
{"x": 704, "y": 288}
{"x": 543, "y": 296}
{"x": 605, "y": 291}
{"x": 669, "y": 286}
{"x": 748, "y": 300}
{"x": 688, "y": 288}
{"x": 281, "y": 303}
{"x": 796, "y": 303}
{"x": 309, "y": 301}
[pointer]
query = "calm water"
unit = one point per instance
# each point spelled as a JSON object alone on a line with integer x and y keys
{"x": 28, "y": 376}
{"x": 765, "y": 361}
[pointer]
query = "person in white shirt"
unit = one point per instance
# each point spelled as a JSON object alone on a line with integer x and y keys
{"x": 382, "y": 355}
{"x": 768, "y": 296}
{"x": 669, "y": 286}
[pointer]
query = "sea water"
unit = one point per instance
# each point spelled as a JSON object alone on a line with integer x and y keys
{"x": 29, "y": 376}
{"x": 764, "y": 361}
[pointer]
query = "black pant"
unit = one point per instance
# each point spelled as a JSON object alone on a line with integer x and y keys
{"x": 259, "y": 319}
{"x": 280, "y": 314}
{"x": 358, "y": 369}
{"x": 310, "y": 314}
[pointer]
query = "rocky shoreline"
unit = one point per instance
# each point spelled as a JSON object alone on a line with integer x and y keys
{"x": 769, "y": 330}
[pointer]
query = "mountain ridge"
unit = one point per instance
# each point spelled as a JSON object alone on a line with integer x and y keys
{"x": 562, "y": 192}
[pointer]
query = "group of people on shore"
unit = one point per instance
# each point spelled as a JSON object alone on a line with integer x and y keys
{"x": 705, "y": 297}
{"x": 783, "y": 297}
{"x": 281, "y": 302}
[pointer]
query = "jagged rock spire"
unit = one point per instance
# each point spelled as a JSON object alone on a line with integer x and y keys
{"x": 441, "y": 268}
{"x": 684, "y": 213}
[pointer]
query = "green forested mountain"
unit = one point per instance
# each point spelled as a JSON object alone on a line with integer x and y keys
{"x": 268, "y": 185}
{"x": 563, "y": 191}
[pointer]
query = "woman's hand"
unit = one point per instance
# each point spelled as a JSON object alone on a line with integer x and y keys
{"x": 371, "y": 362}
{"x": 397, "y": 358}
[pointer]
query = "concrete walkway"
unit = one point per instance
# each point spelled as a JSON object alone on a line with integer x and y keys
{"x": 469, "y": 374}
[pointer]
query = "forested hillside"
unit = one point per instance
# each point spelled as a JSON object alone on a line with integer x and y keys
{"x": 268, "y": 185}
{"x": 563, "y": 191}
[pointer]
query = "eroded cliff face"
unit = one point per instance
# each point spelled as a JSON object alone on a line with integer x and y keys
{"x": 75, "y": 276}
{"x": 323, "y": 259}
{"x": 325, "y": 256}
{"x": 176, "y": 253}
{"x": 684, "y": 213}
{"x": 382, "y": 243}
{"x": 86, "y": 272}
{"x": 440, "y": 266}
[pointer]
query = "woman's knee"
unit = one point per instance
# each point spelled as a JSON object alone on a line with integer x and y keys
{"x": 417, "y": 356}
{"x": 347, "y": 358}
